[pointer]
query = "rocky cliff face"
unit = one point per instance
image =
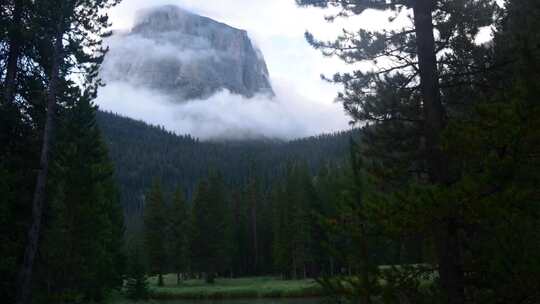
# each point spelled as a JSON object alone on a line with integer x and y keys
{"x": 186, "y": 56}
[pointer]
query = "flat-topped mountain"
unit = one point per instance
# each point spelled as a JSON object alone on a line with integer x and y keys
{"x": 186, "y": 56}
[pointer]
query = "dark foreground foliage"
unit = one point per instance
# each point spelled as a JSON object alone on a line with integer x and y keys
{"x": 450, "y": 148}
{"x": 61, "y": 223}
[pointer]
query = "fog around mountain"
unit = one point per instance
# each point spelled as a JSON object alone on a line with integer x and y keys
{"x": 225, "y": 115}
{"x": 197, "y": 76}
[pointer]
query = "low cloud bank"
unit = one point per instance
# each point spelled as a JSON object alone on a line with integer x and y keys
{"x": 224, "y": 115}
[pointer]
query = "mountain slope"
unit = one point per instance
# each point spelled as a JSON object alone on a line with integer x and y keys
{"x": 141, "y": 153}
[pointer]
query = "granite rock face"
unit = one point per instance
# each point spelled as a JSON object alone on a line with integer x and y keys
{"x": 186, "y": 56}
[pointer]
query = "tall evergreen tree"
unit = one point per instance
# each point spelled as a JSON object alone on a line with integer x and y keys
{"x": 180, "y": 230}
{"x": 82, "y": 246}
{"x": 155, "y": 231}
{"x": 405, "y": 100}
{"x": 136, "y": 280}
{"x": 208, "y": 238}
{"x": 252, "y": 197}
{"x": 57, "y": 30}
{"x": 282, "y": 245}
{"x": 199, "y": 247}
{"x": 292, "y": 223}
{"x": 497, "y": 149}
{"x": 239, "y": 236}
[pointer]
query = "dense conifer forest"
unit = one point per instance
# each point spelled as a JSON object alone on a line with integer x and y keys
{"x": 142, "y": 153}
{"x": 433, "y": 199}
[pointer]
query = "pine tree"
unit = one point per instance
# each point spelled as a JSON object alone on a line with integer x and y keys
{"x": 180, "y": 231}
{"x": 239, "y": 247}
{"x": 208, "y": 238}
{"x": 350, "y": 230}
{"x": 496, "y": 148}
{"x": 82, "y": 246}
{"x": 136, "y": 280}
{"x": 282, "y": 244}
{"x": 199, "y": 247}
{"x": 408, "y": 100}
{"x": 301, "y": 194}
{"x": 155, "y": 229}
{"x": 292, "y": 250}
{"x": 50, "y": 32}
{"x": 218, "y": 217}
{"x": 253, "y": 203}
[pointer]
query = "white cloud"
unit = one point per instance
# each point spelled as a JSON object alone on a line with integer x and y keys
{"x": 224, "y": 115}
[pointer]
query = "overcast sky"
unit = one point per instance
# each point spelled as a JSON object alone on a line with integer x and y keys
{"x": 277, "y": 27}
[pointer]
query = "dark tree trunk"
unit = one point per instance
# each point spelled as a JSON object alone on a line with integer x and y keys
{"x": 447, "y": 236}
{"x": 450, "y": 261}
{"x": 210, "y": 279}
{"x": 254, "y": 231}
{"x": 364, "y": 269}
{"x": 26, "y": 271}
{"x": 15, "y": 40}
{"x": 160, "y": 279}
{"x": 294, "y": 276}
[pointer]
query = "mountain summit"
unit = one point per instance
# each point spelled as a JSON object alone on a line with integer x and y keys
{"x": 186, "y": 56}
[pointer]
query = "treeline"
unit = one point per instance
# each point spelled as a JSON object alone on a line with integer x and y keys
{"x": 287, "y": 229}
{"x": 141, "y": 152}
{"x": 61, "y": 222}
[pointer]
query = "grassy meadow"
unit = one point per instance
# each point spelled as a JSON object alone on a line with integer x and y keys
{"x": 253, "y": 287}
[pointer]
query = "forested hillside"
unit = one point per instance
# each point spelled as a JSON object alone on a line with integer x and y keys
{"x": 142, "y": 153}
{"x": 434, "y": 200}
